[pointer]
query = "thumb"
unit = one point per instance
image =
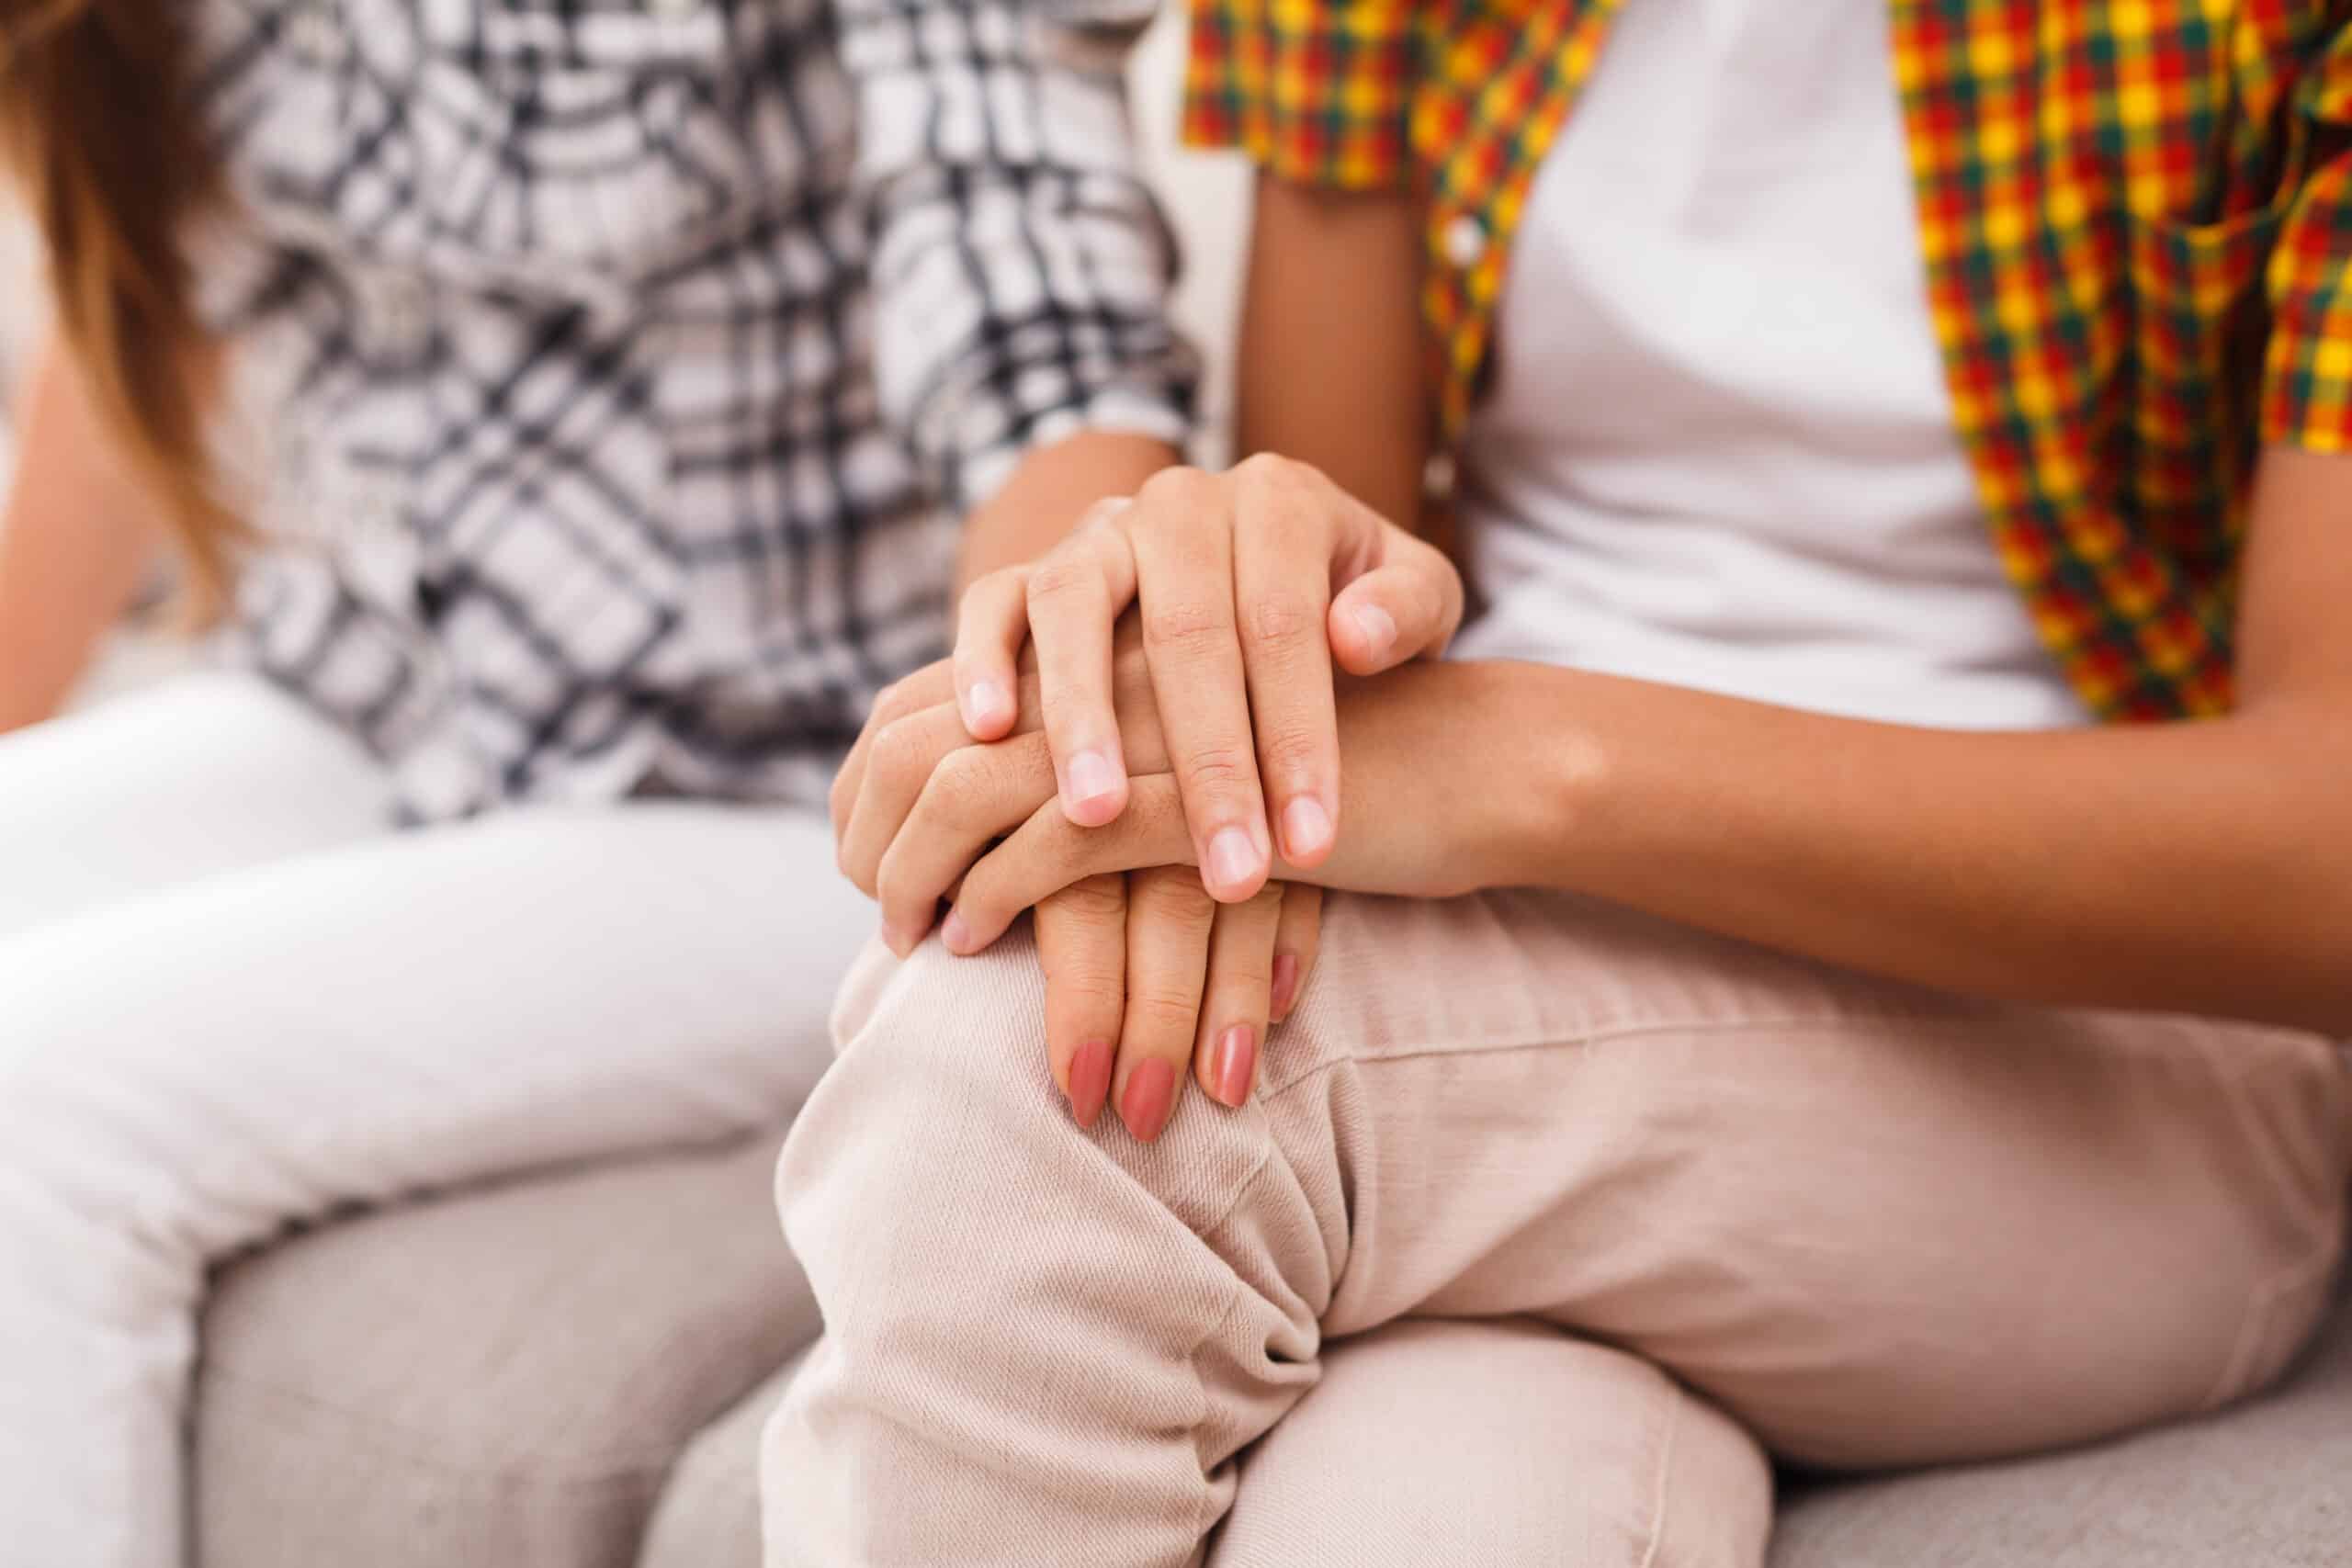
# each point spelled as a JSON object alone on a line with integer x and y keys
{"x": 1409, "y": 607}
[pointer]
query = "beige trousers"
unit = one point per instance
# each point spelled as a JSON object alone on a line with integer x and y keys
{"x": 1548, "y": 1225}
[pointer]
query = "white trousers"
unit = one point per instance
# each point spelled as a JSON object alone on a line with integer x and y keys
{"x": 230, "y": 999}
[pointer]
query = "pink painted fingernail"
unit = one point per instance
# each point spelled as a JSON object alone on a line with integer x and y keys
{"x": 1094, "y": 781}
{"x": 1285, "y": 982}
{"x": 956, "y": 933}
{"x": 986, "y": 704}
{"x": 1306, "y": 828}
{"x": 1151, "y": 1094}
{"x": 1089, "y": 1081}
{"x": 1379, "y": 629}
{"x": 1233, "y": 860}
{"x": 1235, "y": 1065}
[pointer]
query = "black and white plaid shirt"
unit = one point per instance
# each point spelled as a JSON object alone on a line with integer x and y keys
{"x": 615, "y": 367}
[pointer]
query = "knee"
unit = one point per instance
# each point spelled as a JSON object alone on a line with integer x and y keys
{"x": 930, "y": 1050}
{"x": 939, "y": 1106}
{"x": 939, "y": 1148}
{"x": 84, "y": 1117}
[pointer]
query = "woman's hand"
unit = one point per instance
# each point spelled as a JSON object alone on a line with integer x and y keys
{"x": 1145, "y": 972}
{"x": 1444, "y": 799}
{"x": 1249, "y": 583}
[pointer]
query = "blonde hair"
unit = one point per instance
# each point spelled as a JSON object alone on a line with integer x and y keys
{"x": 98, "y": 134}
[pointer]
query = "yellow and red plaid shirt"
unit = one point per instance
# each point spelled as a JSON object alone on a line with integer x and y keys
{"x": 2137, "y": 223}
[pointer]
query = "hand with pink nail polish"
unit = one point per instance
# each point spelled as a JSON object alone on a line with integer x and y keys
{"x": 1149, "y": 982}
{"x": 1251, "y": 585}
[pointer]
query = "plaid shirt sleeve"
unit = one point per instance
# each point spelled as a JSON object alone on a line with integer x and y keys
{"x": 1315, "y": 91}
{"x": 2307, "y": 383}
{"x": 1021, "y": 269}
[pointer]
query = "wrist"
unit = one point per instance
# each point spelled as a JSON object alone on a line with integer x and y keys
{"x": 1540, "y": 774}
{"x": 1050, "y": 491}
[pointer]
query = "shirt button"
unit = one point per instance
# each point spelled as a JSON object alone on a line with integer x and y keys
{"x": 1465, "y": 240}
{"x": 1438, "y": 477}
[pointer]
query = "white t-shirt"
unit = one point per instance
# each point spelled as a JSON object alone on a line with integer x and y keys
{"x": 1718, "y": 450}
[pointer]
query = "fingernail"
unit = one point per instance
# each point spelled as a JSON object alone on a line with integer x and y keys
{"x": 1285, "y": 982}
{"x": 1089, "y": 1081}
{"x": 893, "y": 939}
{"x": 1093, "y": 779}
{"x": 1233, "y": 859}
{"x": 1151, "y": 1093}
{"x": 956, "y": 933}
{"x": 1306, "y": 828}
{"x": 985, "y": 704}
{"x": 1379, "y": 629}
{"x": 1236, "y": 1063}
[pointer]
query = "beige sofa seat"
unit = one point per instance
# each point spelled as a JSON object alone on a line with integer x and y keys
{"x": 710, "y": 1514}
{"x": 573, "y": 1371}
{"x": 2265, "y": 1484}
{"x": 500, "y": 1379}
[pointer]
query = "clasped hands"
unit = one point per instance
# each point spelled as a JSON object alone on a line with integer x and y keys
{"x": 1140, "y": 737}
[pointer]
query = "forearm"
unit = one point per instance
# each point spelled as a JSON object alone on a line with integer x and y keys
{"x": 2200, "y": 867}
{"x": 1330, "y": 368}
{"x": 1050, "y": 493}
{"x": 76, "y": 535}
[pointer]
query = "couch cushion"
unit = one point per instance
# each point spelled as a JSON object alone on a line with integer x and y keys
{"x": 497, "y": 1380}
{"x": 2269, "y": 1482}
{"x": 710, "y": 1516}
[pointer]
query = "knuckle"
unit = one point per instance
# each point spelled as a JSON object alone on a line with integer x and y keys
{"x": 1264, "y": 466}
{"x": 1094, "y": 901}
{"x": 1061, "y": 582}
{"x": 1089, "y": 993}
{"x": 959, "y": 795}
{"x": 899, "y": 699}
{"x": 901, "y": 752}
{"x": 1291, "y": 753}
{"x": 1104, "y": 513}
{"x": 1174, "y": 896}
{"x": 1163, "y": 1011}
{"x": 1186, "y": 626}
{"x": 1181, "y": 487}
{"x": 995, "y": 587}
{"x": 1063, "y": 847}
{"x": 1273, "y": 473}
{"x": 1219, "y": 770}
{"x": 1285, "y": 620}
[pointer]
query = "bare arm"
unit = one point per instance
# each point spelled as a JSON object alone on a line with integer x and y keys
{"x": 2201, "y": 866}
{"x": 76, "y": 533}
{"x": 1048, "y": 495}
{"x": 1331, "y": 355}
{"x": 2194, "y": 866}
